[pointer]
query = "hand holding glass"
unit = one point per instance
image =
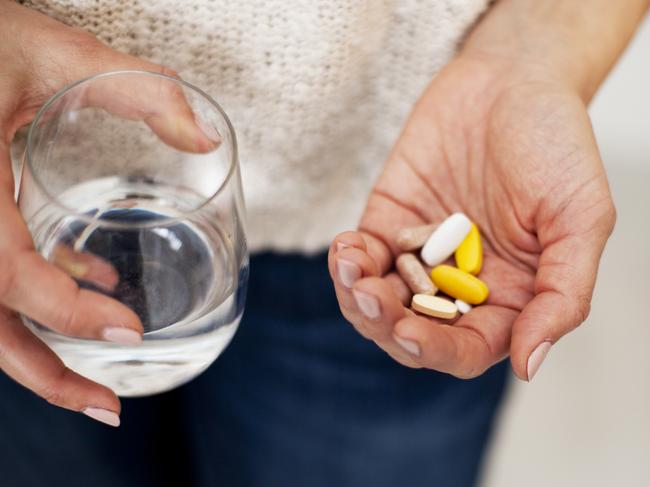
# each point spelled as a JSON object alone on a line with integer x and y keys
{"x": 131, "y": 185}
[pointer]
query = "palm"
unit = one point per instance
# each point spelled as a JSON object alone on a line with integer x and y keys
{"x": 520, "y": 160}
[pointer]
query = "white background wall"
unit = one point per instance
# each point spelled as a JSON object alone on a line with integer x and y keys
{"x": 585, "y": 419}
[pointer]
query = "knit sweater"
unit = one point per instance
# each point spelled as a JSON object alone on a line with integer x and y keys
{"x": 317, "y": 90}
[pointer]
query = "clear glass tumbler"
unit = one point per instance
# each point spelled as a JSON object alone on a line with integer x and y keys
{"x": 131, "y": 185}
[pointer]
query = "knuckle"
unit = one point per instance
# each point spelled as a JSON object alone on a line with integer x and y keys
{"x": 469, "y": 371}
{"x": 167, "y": 91}
{"x": 87, "y": 40}
{"x": 610, "y": 216}
{"x": 63, "y": 316}
{"x": 85, "y": 45}
{"x": 401, "y": 358}
{"x": 582, "y": 309}
{"x": 78, "y": 54}
{"x": 470, "y": 362}
{"x": 68, "y": 317}
{"x": 468, "y": 368}
{"x": 578, "y": 307}
{"x": 53, "y": 395}
{"x": 169, "y": 72}
{"x": 53, "y": 390}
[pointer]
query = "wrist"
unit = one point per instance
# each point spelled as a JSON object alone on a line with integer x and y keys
{"x": 546, "y": 55}
{"x": 506, "y": 71}
{"x": 494, "y": 74}
{"x": 569, "y": 44}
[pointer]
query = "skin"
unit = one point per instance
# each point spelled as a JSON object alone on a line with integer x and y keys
{"x": 40, "y": 56}
{"x": 484, "y": 127}
{"x": 503, "y": 135}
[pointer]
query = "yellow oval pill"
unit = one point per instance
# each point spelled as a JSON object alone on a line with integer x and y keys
{"x": 469, "y": 254}
{"x": 459, "y": 284}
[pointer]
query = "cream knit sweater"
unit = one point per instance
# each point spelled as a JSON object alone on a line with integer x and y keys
{"x": 317, "y": 90}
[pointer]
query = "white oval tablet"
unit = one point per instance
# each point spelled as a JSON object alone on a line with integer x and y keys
{"x": 434, "y": 306}
{"x": 446, "y": 239}
{"x": 463, "y": 307}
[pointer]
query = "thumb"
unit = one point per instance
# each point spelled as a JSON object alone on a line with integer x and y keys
{"x": 159, "y": 101}
{"x": 572, "y": 246}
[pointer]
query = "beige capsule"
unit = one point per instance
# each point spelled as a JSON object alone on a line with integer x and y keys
{"x": 415, "y": 276}
{"x": 414, "y": 237}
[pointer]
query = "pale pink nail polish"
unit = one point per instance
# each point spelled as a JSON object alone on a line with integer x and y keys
{"x": 409, "y": 345}
{"x": 349, "y": 272}
{"x": 122, "y": 336}
{"x": 368, "y": 304}
{"x": 102, "y": 415}
{"x": 536, "y": 358}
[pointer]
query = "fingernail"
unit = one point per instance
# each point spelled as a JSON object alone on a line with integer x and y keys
{"x": 189, "y": 133}
{"x": 536, "y": 358}
{"x": 409, "y": 345}
{"x": 349, "y": 272}
{"x": 74, "y": 269}
{"x": 368, "y": 304}
{"x": 122, "y": 336}
{"x": 64, "y": 259}
{"x": 208, "y": 130}
{"x": 103, "y": 416}
{"x": 340, "y": 246}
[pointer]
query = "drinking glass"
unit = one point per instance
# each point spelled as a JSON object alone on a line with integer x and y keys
{"x": 131, "y": 184}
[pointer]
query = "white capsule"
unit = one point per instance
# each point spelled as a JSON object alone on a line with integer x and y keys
{"x": 463, "y": 307}
{"x": 446, "y": 238}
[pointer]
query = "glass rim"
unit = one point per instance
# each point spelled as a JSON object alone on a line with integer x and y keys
{"x": 183, "y": 214}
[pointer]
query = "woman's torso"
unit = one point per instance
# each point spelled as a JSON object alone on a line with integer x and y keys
{"x": 317, "y": 90}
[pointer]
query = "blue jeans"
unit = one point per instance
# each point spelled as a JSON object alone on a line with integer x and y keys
{"x": 298, "y": 399}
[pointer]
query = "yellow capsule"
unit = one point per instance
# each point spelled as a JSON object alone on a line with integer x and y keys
{"x": 459, "y": 284}
{"x": 469, "y": 254}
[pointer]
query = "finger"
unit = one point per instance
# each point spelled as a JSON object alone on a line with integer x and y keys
{"x": 346, "y": 267}
{"x": 85, "y": 267}
{"x": 476, "y": 342}
{"x": 156, "y": 100}
{"x": 380, "y": 223}
{"x": 45, "y": 293}
{"x": 563, "y": 286}
{"x": 31, "y": 363}
{"x": 399, "y": 287}
{"x": 376, "y": 249}
{"x": 380, "y": 252}
{"x": 379, "y": 309}
{"x": 347, "y": 239}
{"x": 348, "y": 263}
{"x": 379, "y": 306}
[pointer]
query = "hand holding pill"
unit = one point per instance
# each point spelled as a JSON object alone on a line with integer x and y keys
{"x": 503, "y": 208}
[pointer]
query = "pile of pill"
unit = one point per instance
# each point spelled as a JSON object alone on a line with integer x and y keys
{"x": 456, "y": 235}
